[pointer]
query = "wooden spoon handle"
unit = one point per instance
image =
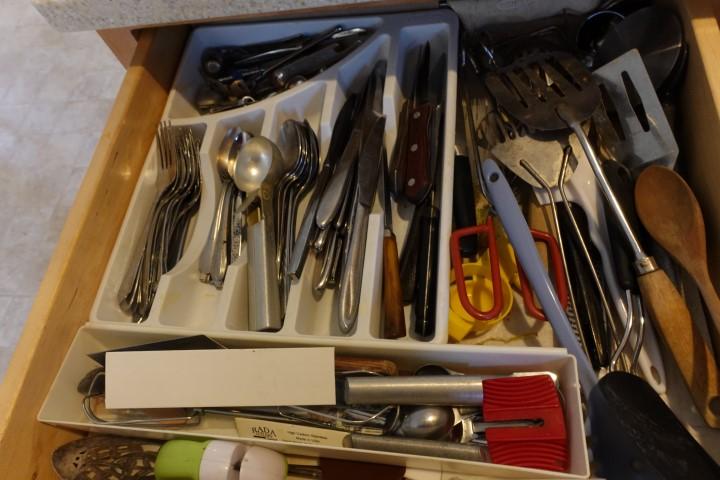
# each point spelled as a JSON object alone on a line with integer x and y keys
{"x": 712, "y": 302}
{"x": 691, "y": 352}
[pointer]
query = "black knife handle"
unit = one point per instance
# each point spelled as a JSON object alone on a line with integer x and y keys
{"x": 426, "y": 290}
{"x": 623, "y": 185}
{"x": 308, "y": 65}
{"x": 464, "y": 206}
{"x": 408, "y": 259}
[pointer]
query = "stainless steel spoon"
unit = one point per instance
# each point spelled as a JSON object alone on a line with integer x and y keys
{"x": 431, "y": 423}
{"x": 215, "y": 257}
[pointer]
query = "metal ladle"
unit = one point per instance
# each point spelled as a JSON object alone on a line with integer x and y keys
{"x": 257, "y": 168}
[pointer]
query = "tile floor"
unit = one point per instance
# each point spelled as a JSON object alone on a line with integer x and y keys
{"x": 56, "y": 89}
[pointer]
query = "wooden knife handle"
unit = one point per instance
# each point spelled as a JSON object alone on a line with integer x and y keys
{"x": 351, "y": 364}
{"x": 394, "y": 323}
{"x": 688, "y": 347}
{"x": 418, "y": 167}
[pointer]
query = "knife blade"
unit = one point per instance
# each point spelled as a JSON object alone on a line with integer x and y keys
{"x": 373, "y": 98}
{"x": 337, "y": 188}
{"x": 333, "y": 195}
{"x": 308, "y": 227}
{"x": 368, "y": 172}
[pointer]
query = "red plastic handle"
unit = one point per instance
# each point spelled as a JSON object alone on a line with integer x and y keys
{"x": 556, "y": 265}
{"x": 558, "y": 273}
{"x": 526, "y": 398}
{"x": 457, "y": 264}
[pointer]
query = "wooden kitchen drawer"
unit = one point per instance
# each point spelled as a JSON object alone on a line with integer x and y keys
{"x": 71, "y": 282}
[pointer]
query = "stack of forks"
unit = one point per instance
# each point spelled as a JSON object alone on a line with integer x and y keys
{"x": 163, "y": 239}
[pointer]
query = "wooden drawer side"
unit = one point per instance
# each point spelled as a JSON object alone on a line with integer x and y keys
{"x": 70, "y": 284}
{"x": 699, "y": 119}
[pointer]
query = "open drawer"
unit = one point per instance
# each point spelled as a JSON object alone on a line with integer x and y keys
{"x": 73, "y": 278}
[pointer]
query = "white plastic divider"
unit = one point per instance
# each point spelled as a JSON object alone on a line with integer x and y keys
{"x": 146, "y": 191}
{"x": 183, "y": 303}
{"x": 63, "y": 403}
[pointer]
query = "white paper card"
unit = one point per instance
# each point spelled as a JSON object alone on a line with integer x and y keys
{"x": 288, "y": 432}
{"x": 220, "y": 378}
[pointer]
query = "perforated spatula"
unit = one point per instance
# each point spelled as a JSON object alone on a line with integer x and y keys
{"x": 554, "y": 91}
{"x": 643, "y": 131}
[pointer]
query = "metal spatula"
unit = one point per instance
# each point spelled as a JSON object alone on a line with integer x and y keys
{"x": 643, "y": 132}
{"x": 535, "y": 87}
{"x": 543, "y": 151}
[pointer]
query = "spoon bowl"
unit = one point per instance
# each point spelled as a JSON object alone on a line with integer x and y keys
{"x": 431, "y": 423}
{"x": 670, "y": 212}
{"x": 233, "y": 140}
{"x": 258, "y": 160}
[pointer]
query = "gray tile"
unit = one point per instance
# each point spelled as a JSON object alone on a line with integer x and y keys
{"x": 13, "y": 320}
{"x": 26, "y": 254}
{"x": 56, "y": 90}
{"x": 97, "y": 84}
{"x": 84, "y": 116}
{"x": 4, "y": 304}
{"x": 6, "y": 354}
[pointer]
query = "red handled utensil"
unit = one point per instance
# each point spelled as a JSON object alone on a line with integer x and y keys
{"x": 518, "y": 398}
{"x": 488, "y": 229}
{"x": 507, "y": 404}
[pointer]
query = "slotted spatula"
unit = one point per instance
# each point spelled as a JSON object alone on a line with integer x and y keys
{"x": 534, "y": 87}
{"x": 643, "y": 133}
{"x": 553, "y": 91}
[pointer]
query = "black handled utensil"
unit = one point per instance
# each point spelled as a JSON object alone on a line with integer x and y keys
{"x": 464, "y": 205}
{"x": 426, "y": 270}
{"x": 637, "y": 437}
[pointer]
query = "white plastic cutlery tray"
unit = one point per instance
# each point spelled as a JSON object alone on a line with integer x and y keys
{"x": 63, "y": 403}
{"x": 182, "y": 302}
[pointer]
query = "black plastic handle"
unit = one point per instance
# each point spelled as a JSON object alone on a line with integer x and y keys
{"x": 587, "y": 299}
{"x": 408, "y": 259}
{"x": 308, "y": 65}
{"x": 623, "y": 184}
{"x": 424, "y": 319}
{"x": 464, "y": 205}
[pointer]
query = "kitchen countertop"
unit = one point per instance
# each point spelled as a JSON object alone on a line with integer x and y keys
{"x": 76, "y": 15}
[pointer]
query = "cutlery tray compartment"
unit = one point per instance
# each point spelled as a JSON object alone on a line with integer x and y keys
{"x": 183, "y": 302}
{"x": 63, "y": 403}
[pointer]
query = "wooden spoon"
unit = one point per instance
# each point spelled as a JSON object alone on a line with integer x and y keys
{"x": 669, "y": 210}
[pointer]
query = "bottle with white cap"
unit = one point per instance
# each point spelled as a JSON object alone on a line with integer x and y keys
{"x": 220, "y": 460}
